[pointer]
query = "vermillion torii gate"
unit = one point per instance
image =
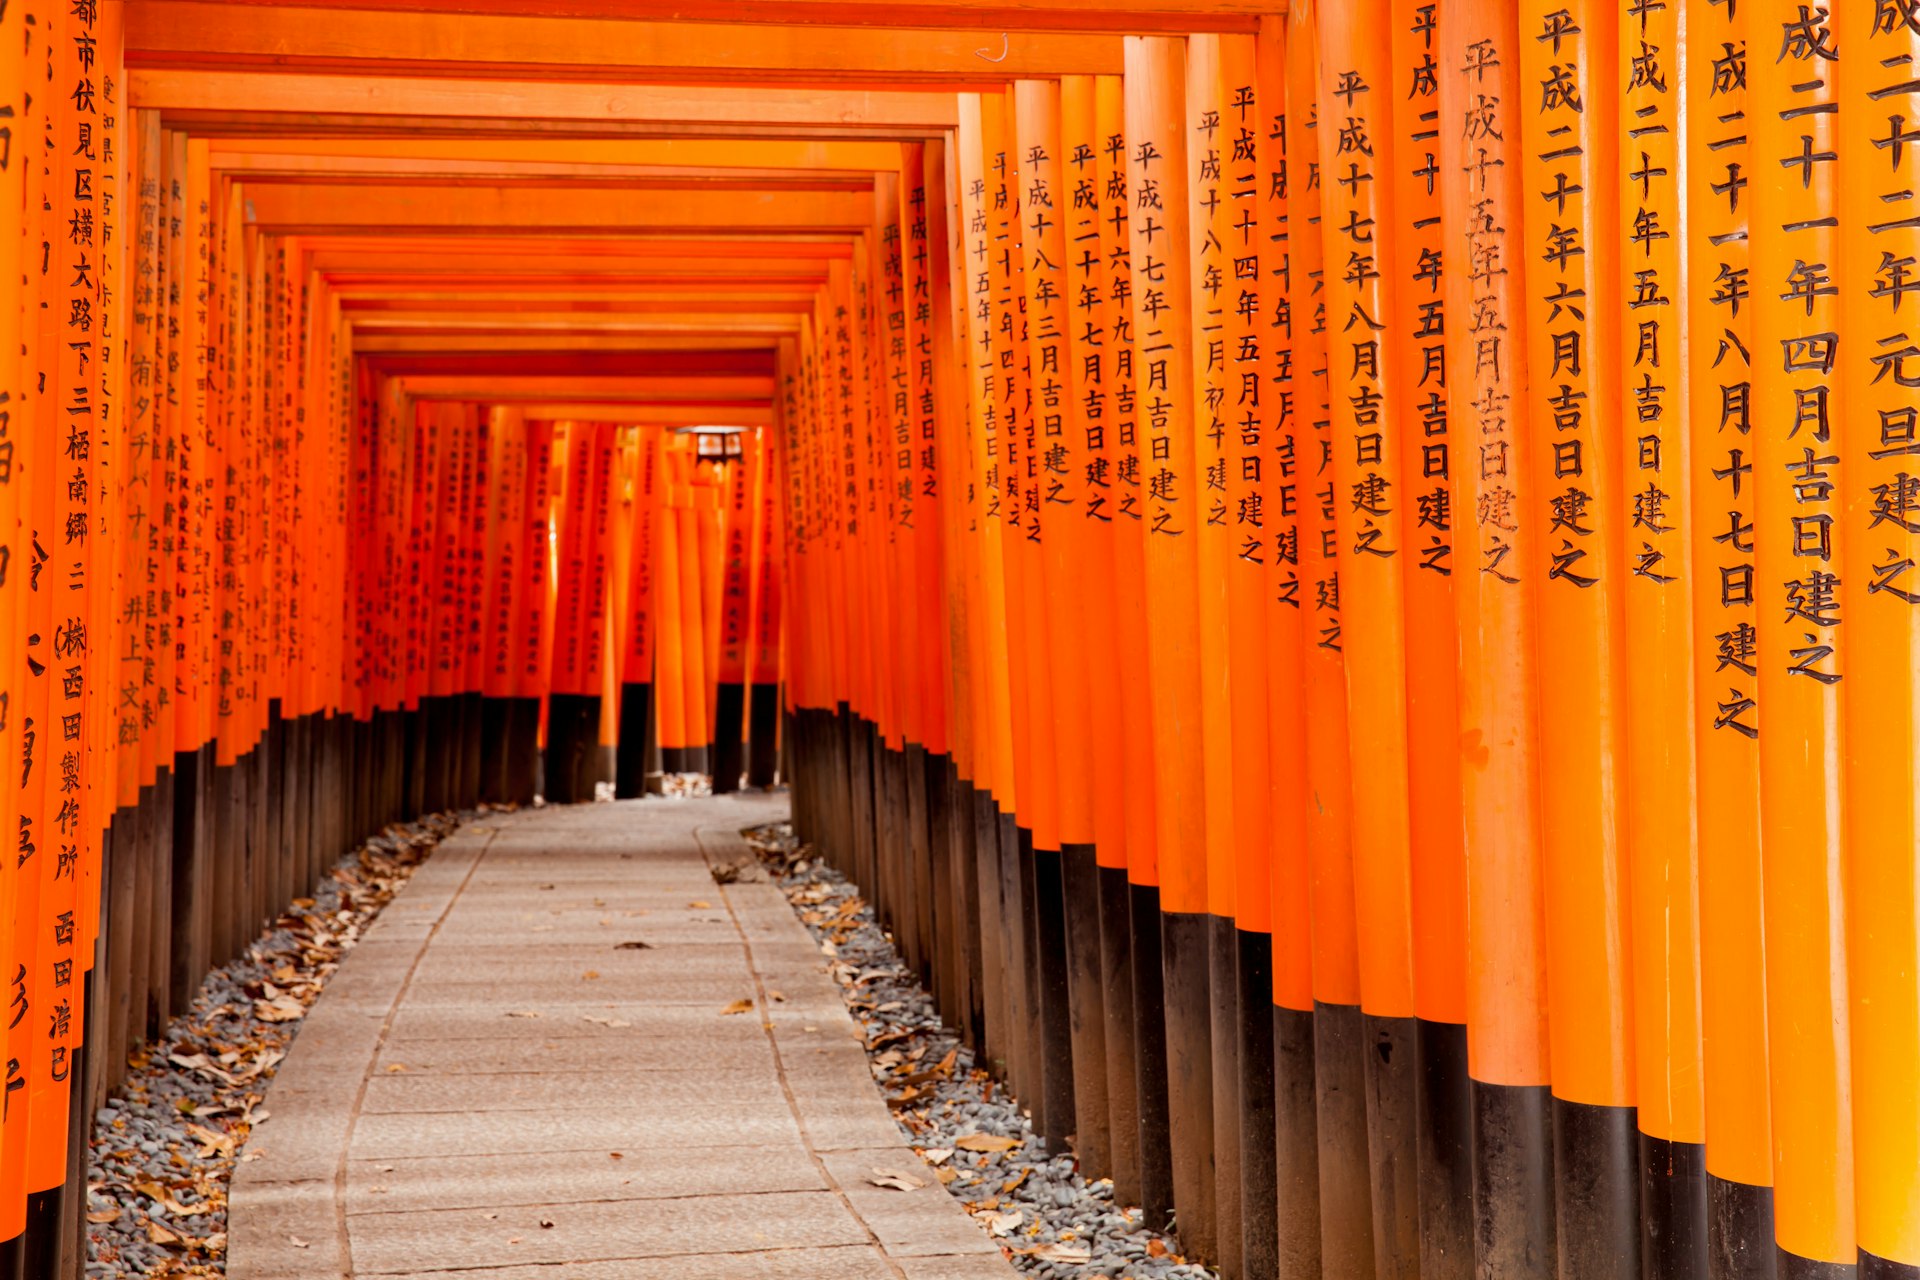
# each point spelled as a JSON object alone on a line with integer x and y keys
{"x": 1345, "y": 577}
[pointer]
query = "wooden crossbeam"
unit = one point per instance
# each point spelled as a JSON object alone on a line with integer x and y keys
{"x": 479, "y": 210}
{"x": 995, "y": 16}
{"x": 249, "y": 94}
{"x": 193, "y": 34}
{"x": 639, "y": 389}
{"x": 718, "y": 153}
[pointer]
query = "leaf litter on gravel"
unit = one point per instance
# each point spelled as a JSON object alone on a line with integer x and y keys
{"x": 163, "y": 1151}
{"x": 974, "y": 1139}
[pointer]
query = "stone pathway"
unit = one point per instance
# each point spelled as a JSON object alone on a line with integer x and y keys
{"x": 500, "y": 1083}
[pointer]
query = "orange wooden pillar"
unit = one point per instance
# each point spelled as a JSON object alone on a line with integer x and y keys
{"x": 1878, "y": 374}
{"x": 980, "y": 137}
{"x": 1099, "y": 430}
{"x": 1160, "y": 251}
{"x": 16, "y": 382}
{"x": 1659, "y": 644}
{"x": 1138, "y": 929}
{"x": 1804, "y": 656}
{"x": 1025, "y": 813}
{"x": 33, "y": 458}
{"x": 1065, "y": 925}
{"x": 1345, "y": 1199}
{"x": 1573, "y": 256}
{"x": 1364, "y": 269}
{"x": 640, "y": 630}
{"x": 1286, "y": 341}
{"x": 502, "y": 596}
{"x": 1498, "y": 568}
{"x": 531, "y": 671}
{"x": 769, "y": 589}
{"x": 1209, "y": 213}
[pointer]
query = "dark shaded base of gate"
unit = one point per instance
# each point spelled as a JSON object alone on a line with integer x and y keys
{"x": 206, "y": 857}
{"x": 1280, "y": 1143}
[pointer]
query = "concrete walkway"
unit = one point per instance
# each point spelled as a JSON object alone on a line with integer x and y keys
{"x": 500, "y": 1083}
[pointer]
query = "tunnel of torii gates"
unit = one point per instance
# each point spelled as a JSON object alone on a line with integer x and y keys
{"x": 1345, "y": 579}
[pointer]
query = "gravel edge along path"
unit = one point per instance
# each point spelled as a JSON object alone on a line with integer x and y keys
{"x": 163, "y": 1151}
{"x": 1048, "y": 1220}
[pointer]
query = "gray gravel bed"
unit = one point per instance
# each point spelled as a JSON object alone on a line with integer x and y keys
{"x": 1046, "y": 1218}
{"x": 163, "y": 1151}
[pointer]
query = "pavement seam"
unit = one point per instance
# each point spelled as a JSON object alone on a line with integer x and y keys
{"x": 380, "y": 1044}
{"x": 762, "y": 1000}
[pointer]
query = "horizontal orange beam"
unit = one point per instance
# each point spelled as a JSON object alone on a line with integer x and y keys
{"x": 402, "y": 209}
{"x": 660, "y": 387}
{"x": 507, "y": 343}
{"x": 451, "y": 282}
{"x": 252, "y": 93}
{"x": 998, "y": 16}
{"x": 577, "y": 308}
{"x": 718, "y": 153}
{"x": 188, "y": 33}
{"x": 740, "y": 415}
{"x": 271, "y": 167}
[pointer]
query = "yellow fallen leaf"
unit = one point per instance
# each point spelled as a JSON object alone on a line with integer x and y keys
{"x": 160, "y": 1235}
{"x": 103, "y": 1215}
{"x": 395, "y": 1068}
{"x": 985, "y": 1142}
{"x": 738, "y": 1006}
{"x": 590, "y": 975}
{"x": 699, "y": 906}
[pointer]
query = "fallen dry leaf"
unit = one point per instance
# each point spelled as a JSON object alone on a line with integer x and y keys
{"x": 103, "y": 1215}
{"x": 999, "y": 1224}
{"x": 635, "y": 945}
{"x": 985, "y": 1142}
{"x": 738, "y": 1006}
{"x": 1156, "y": 1249}
{"x": 395, "y": 1068}
{"x": 522, "y": 1013}
{"x": 937, "y": 1155}
{"x": 895, "y": 1179}
{"x": 1074, "y": 1254}
{"x": 605, "y": 1022}
{"x": 279, "y": 1009}
{"x": 546, "y": 1224}
{"x": 1011, "y": 1185}
{"x": 699, "y": 906}
{"x": 296, "y": 1242}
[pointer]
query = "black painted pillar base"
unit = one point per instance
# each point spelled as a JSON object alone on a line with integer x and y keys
{"x": 1056, "y": 1019}
{"x": 1596, "y": 1168}
{"x": 1346, "y": 1176}
{"x": 1259, "y": 1245}
{"x": 1296, "y": 1149}
{"x": 1445, "y": 1133}
{"x": 573, "y": 735}
{"x": 1393, "y": 1093}
{"x": 1093, "y": 1136}
{"x": 1185, "y": 948}
{"x": 729, "y": 760}
{"x": 493, "y": 749}
{"x": 763, "y": 734}
{"x": 630, "y": 759}
{"x": 1513, "y": 1229}
{"x": 1121, "y": 1038}
{"x": 523, "y": 749}
{"x": 1223, "y": 997}
{"x": 1150, "y": 1037}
